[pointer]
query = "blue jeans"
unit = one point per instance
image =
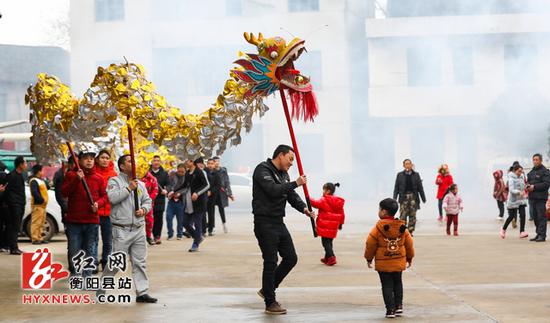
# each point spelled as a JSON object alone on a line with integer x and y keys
{"x": 106, "y": 238}
{"x": 193, "y": 226}
{"x": 83, "y": 236}
{"x": 175, "y": 209}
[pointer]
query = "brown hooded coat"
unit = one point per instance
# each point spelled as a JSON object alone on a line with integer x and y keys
{"x": 391, "y": 245}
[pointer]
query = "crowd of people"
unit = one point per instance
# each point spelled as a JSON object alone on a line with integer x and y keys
{"x": 127, "y": 214}
{"x": 98, "y": 202}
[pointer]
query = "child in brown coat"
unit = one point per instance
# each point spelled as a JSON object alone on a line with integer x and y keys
{"x": 391, "y": 245}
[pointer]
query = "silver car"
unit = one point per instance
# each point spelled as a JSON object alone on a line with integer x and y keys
{"x": 241, "y": 186}
{"x": 53, "y": 216}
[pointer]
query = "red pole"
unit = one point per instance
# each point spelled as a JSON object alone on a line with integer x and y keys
{"x": 297, "y": 153}
{"x": 86, "y": 188}
{"x": 132, "y": 158}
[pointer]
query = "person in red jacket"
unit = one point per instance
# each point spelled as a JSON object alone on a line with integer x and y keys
{"x": 330, "y": 219}
{"x": 105, "y": 167}
{"x": 151, "y": 184}
{"x": 443, "y": 181}
{"x": 82, "y": 218}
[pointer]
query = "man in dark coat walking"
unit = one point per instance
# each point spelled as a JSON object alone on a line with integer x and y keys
{"x": 538, "y": 181}
{"x": 408, "y": 187}
{"x": 160, "y": 201}
{"x": 271, "y": 189}
{"x": 16, "y": 199}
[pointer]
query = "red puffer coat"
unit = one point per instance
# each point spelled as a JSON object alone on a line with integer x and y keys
{"x": 331, "y": 215}
{"x": 80, "y": 210}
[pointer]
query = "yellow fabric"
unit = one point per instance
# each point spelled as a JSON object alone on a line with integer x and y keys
{"x": 38, "y": 217}
{"x": 43, "y": 191}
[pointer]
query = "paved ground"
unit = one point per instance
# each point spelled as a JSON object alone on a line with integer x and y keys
{"x": 475, "y": 277}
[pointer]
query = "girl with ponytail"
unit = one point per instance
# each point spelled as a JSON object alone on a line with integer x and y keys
{"x": 330, "y": 219}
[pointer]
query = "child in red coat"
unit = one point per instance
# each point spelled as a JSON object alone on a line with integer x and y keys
{"x": 330, "y": 219}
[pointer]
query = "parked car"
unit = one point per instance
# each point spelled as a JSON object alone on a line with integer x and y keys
{"x": 241, "y": 185}
{"x": 53, "y": 216}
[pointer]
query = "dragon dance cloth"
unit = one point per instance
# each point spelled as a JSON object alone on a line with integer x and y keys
{"x": 121, "y": 95}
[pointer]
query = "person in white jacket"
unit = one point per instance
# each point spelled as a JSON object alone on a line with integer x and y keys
{"x": 452, "y": 204}
{"x": 517, "y": 201}
{"x": 128, "y": 221}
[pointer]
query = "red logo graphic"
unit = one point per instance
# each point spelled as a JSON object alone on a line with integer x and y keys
{"x": 38, "y": 272}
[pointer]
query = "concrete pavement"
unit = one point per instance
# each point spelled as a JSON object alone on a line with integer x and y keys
{"x": 476, "y": 277}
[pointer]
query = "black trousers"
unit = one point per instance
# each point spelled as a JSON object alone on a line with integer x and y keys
{"x": 500, "y": 205}
{"x": 158, "y": 222}
{"x": 4, "y": 226}
{"x": 327, "y": 244}
{"x": 211, "y": 208}
{"x": 440, "y": 206}
{"x": 512, "y": 214}
{"x": 538, "y": 209}
{"x": 392, "y": 289}
{"x": 273, "y": 239}
{"x": 14, "y": 219}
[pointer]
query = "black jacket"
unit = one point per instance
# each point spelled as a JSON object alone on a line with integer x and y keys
{"x": 214, "y": 179}
{"x": 15, "y": 192}
{"x": 57, "y": 184}
{"x": 162, "y": 180}
{"x": 198, "y": 183}
{"x": 539, "y": 177}
{"x": 271, "y": 189}
{"x": 401, "y": 183}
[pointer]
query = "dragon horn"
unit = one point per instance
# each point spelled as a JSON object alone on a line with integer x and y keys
{"x": 251, "y": 38}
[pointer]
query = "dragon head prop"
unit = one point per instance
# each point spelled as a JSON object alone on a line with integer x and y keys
{"x": 273, "y": 69}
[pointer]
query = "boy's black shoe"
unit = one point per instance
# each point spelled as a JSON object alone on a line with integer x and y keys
{"x": 535, "y": 238}
{"x": 539, "y": 239}
{"x": 399, "y": 310}
{"x": 145, "y": 298}
{"x": 187, "y": 235}
{"x": 261, "y": 294}
{"x": 390, "y": 314}
{"x": 150, "y": 241}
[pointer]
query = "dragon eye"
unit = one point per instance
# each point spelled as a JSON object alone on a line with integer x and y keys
{"x": 274, "y": 54}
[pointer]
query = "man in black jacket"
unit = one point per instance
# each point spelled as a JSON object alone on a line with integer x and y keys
{"x": 538, "y": 184}
{"x": 271, "y": 189}
{"x": 160, "y": 201}
{"x": 3, "y": 208}
{"x": 16, "y": 199}
{"x": 408, "y": 187}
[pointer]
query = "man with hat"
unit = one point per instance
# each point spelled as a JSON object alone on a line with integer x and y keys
{"x": 82, "y": 220}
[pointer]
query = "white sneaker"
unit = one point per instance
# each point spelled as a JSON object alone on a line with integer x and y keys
{"x": 224, "y": 228}
{"x": 500, "y": 218}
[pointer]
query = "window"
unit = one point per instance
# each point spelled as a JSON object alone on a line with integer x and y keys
{"x": 423, "y": 66}
{"x": 463, "y": 69}
{"x": 310, "y": 65}
{"x": 520, "y": 62}
{"x": 303, "y": 5}
{"x": 109, "y": 10}
{"x": 413, "y": 8}
{"x": 233, "y": 7}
